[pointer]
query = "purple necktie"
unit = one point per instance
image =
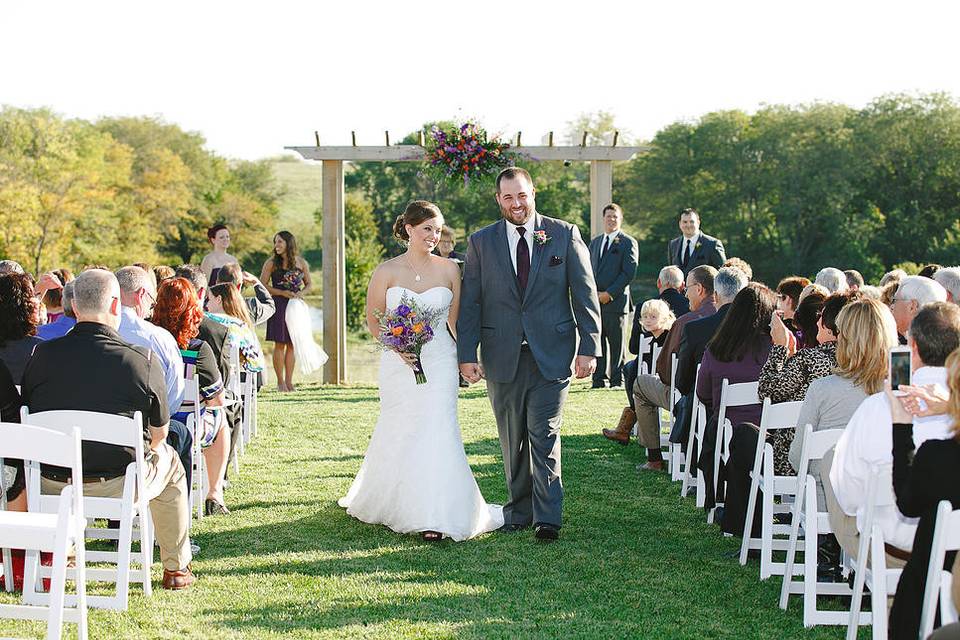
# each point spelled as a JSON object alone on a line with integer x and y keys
{"x": 523, "y": 261}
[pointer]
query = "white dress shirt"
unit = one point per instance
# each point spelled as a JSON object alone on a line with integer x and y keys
{"x": 684, "y": 251}
{"x": 608, "y": 238}
{"x": 867, "y": 442}
{"x": 513, "y": 239}
{"x": 141, "y": 333}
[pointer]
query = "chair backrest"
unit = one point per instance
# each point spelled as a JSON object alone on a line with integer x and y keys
{"x": 108, "y": 428}
{"x": 739, "y": 394}
{"x": 232, "y": 383}
{"x": 673, "y": 379}
{"x": 35, "y": 444}
{"x": 782, "y": 415}
{"x": 655, "y": 349}
{"x": 946, "y": 537}
{"x": 816, "y": 444}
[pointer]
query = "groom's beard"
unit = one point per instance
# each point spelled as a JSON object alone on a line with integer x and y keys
{"x": 510, "y": 216}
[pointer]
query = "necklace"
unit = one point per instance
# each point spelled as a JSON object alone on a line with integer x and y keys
{"x": 412, "y": 268}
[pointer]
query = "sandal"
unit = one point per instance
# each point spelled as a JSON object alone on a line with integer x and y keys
{"x": 432, "y": 536}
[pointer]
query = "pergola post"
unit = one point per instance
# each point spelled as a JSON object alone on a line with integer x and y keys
{"x": 334, "y": 283}
{"x": 601, "y": 193}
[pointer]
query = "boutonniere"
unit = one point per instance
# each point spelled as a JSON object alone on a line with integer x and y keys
{"x": 540, "y": 237}
{"x": 698, "y": 245}
{"x": 616, "y": 240}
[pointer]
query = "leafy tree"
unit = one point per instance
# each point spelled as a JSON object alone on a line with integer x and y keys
{"x": 362, "y": 254}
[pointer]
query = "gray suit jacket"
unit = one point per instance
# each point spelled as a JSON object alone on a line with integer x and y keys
{"x": 615, "y": 271}
{"x": 560, "y": 303}
{"x": 708, "y": 250}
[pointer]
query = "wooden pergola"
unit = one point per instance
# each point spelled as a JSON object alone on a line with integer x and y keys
{"x": 601, "y": 159}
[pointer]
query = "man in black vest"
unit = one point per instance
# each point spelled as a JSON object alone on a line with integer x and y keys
{"x": 693, "y": 247}
{"x": 613, "y": 256}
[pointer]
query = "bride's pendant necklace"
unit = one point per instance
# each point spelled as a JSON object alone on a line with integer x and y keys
{"x": 412, "y": 268}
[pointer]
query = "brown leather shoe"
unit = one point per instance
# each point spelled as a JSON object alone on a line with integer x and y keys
{"x": 653, "y": 465}
{"x": 177, "y": 580}
{"x": 622, "y": 433}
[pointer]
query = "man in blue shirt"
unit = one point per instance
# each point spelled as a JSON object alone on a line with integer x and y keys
{"x": 59, "y": 327}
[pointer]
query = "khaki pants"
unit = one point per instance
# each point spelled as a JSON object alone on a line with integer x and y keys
{"x": 650, "y": 395}
{"x": 845, "y": 526}
{"x": 166, "y": 487}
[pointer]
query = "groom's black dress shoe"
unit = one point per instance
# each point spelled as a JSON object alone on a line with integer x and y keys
{"x": 546, "y": 533}
{"x": 512, "y": 528}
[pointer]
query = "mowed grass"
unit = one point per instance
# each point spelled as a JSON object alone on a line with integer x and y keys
{"x": 634, "y": 559}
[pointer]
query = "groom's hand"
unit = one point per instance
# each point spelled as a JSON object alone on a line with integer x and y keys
{"x": 585, "y": 366}
{"x": 471, "y": 372}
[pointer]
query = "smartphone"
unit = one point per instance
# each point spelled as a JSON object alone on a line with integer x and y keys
{"x": 899, "y": 367}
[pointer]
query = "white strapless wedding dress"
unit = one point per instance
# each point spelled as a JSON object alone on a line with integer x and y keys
{"x": 415, "y": 476}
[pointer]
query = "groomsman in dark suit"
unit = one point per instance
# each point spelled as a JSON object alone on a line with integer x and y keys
{"x": 693, "y": 247}
{"x": 613, "y": 256}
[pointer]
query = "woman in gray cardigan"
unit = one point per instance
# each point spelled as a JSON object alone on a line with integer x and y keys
{"x": 867, "y": 331}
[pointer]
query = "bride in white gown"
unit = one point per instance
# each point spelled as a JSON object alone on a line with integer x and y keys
{"x": 415, "y": 476}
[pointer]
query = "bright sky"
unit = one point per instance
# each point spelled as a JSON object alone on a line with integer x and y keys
{"x": 254, "y": 77}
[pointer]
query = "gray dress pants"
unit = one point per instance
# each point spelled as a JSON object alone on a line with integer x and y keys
{"x": 529, "y": 412}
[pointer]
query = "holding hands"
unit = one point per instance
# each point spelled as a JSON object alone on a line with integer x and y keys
{"x": 472, "y": 372}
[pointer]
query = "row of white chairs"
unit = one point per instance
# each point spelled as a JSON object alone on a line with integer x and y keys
{"x": 797, "y": 495}
{"x": 31, "y": 441}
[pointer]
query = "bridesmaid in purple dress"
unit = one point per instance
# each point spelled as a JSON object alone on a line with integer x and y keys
{"x": 286, "y": 275}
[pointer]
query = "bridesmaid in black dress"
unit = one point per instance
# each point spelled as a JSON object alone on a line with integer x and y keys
{"x": 285, "y": 275}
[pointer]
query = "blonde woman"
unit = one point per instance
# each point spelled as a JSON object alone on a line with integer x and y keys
{"x": 652, "y": 320}
{"x": 866, "y": 332}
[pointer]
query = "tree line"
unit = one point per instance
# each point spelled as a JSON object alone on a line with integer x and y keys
{"x": 74, "y": 192}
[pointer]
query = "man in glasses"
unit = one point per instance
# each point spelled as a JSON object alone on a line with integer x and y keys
{"x": 913, "y": 293}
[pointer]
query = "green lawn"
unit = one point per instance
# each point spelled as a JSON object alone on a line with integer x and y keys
{"x": 634, "y": 560}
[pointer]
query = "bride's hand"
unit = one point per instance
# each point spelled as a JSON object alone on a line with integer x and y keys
{"x": 409, "y": 359}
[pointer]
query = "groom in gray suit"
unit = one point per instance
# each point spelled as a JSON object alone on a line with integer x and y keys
{"x": 528, "y": 292}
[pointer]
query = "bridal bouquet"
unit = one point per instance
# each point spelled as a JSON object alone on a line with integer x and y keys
{"x": 407, "y": 329}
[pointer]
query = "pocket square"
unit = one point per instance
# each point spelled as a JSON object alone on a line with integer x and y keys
{"x": 556, "y": 260}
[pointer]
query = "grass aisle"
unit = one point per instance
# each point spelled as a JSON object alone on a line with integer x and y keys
{"x": 634, "y": 561}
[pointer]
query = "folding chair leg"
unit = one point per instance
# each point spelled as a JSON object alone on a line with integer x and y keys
{"x": 766, "y": 536}
{"x": 7, "y": 559}
{"x": 58, "y": 584}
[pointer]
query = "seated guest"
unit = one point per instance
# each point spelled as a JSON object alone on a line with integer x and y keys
{"x": 262, "y": 306}
{"x": 161, "y": 272}
{"x": 788, "y": 372}
{"x": 65, "y": 322}
{"x": 813, "y": 288}
{"x": 652, "y": 392}
{"x": 446, "y": 248}
{"x": 832, "y": 279}
{"x": 19, "y": 317}
{"x": 913, "y": 293}
{"x": 870, "y": 291}
{"x": 137, "y": 297}
{"x": 178, "y": 311}
{"x": 211, "y": 331}
{"x": 854, "y": 279}
{"x": 736, "y": 353}
{"x": 13, "y": 479}
{"x": 670, "y": 286}
{"x": 929, "y": 271}
{"x": 53, "y": 298}
{"x": 695, "y": 336}
{"x": 741, "y": 264}
{"x": 10, "y": 266}
{"x": 949, "y": 279}
{"x": 788, "y": 298}
{"x": 922, "y": 477}
{"x": 892, "y": 276}
{"x": 227, "y": 307}
{"x": 93, "y": 369}
{"x": 652, "y": 320}
{"x": 867, "y": 442}
{"x": 805, "y": 320}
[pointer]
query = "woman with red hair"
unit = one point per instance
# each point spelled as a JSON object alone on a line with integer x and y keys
{"x": 178, "y": 311}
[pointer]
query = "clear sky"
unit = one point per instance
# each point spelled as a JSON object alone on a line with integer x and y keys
{"x": 254, "y": 77}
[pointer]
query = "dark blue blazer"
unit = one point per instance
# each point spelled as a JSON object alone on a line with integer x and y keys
{"x": 615, "y": 271}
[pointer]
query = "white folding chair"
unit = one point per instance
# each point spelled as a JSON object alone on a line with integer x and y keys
{"x": 130, "y": 508}
{"x": 37, "y": 531}
{"x": 871, "y": 564}
{"x": 234, "y": 386}
{"x": 946, "y": 537}
{"x": 782, "y": 415}
{"x": 741, "y": 394}
{"x": 641, "y": 350}
{"x": 674, "y": 450}
{"x": 249, "y": 394}
{"x": 191, "y": 396}
{"x": 6, "y": 559}
{"x": 815, "y": 446}
{"x": 697, "y": 424}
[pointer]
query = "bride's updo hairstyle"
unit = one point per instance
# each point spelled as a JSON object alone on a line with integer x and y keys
{"x": 416, "y": 212}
